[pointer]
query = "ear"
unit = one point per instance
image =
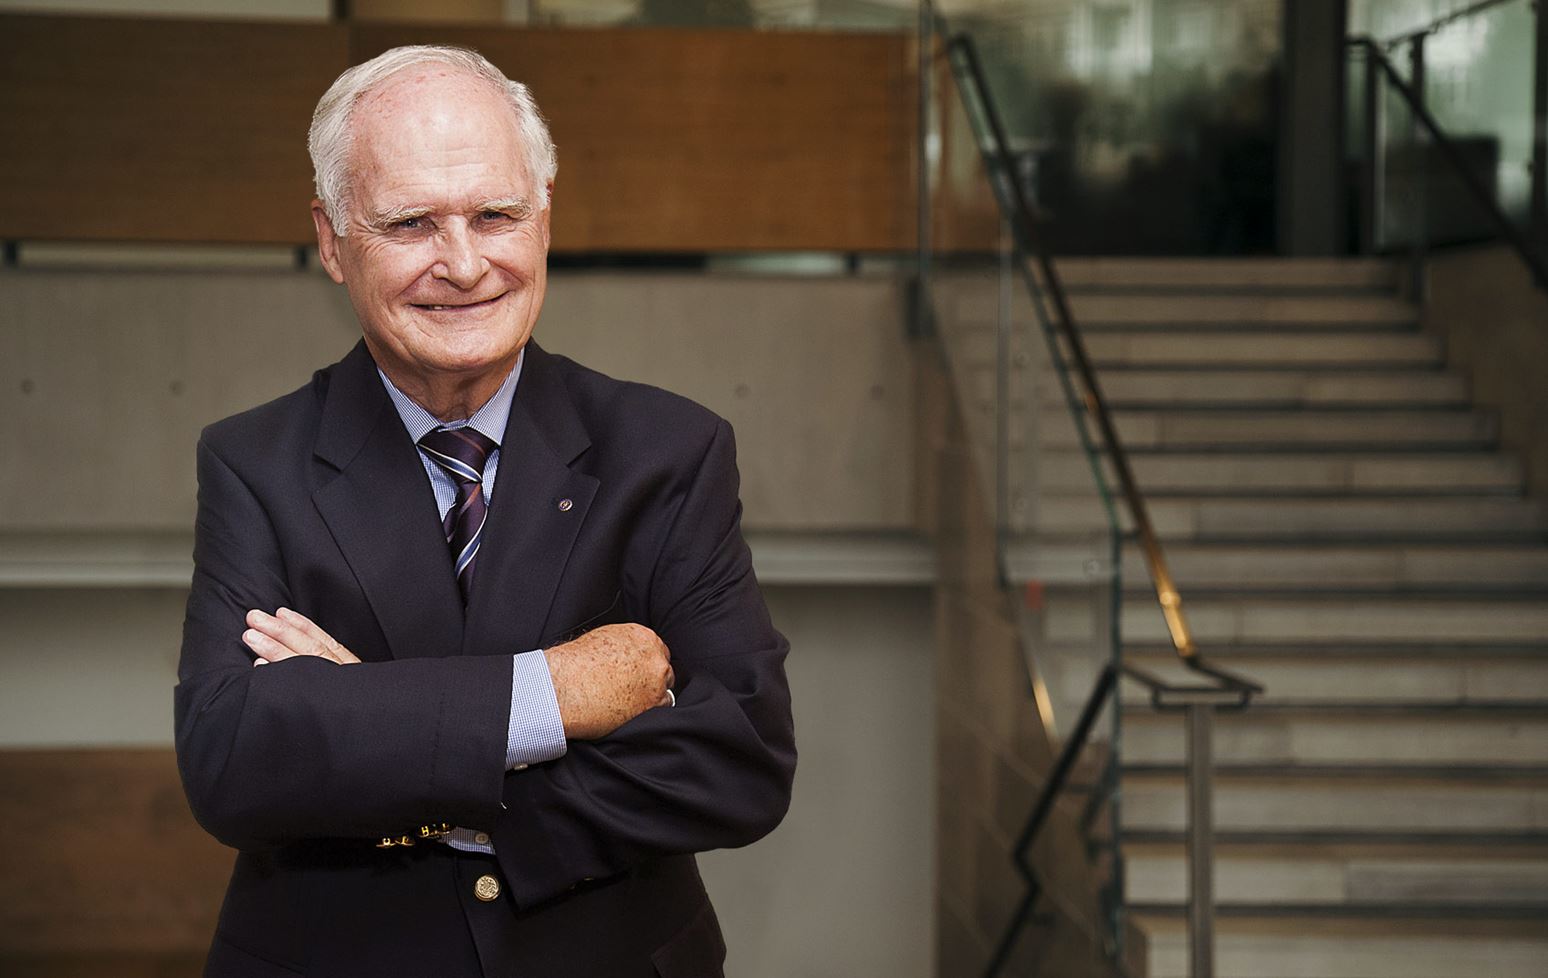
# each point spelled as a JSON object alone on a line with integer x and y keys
{"x": 327, "y": 243}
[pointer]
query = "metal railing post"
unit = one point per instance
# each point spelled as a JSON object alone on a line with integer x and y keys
{"x": 1370, "y": 183}
{"x": 1201, "y": 863}
{"x": 1540, "y": 128}
{"x": 920, "y": 323}
{"x": 1002, "y": 396}
{"x": 1418, "y": 252}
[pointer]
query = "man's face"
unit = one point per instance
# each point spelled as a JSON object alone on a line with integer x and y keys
{"x": 445, "y": 259}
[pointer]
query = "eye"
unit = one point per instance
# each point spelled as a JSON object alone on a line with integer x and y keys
{"x": 494, "y": 217}
{"x": 408, "y": 224}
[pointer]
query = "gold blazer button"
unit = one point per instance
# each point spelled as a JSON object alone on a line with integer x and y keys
{"x": 487, "y": 888}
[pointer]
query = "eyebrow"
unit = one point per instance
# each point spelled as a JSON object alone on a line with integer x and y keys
{"x": 514, "y": 206}
{"x": 382, "y": 220}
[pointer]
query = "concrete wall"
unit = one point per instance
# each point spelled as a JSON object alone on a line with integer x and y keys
{"x": 107, "y": 377}
{"x": 1495, "y": 323}
{"x": 845, "y": 885}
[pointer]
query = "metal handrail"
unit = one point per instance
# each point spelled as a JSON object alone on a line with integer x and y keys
{"x": 1024, "y": 223}
{"x": 1220, "y": 688}
{"x": 1443, "y": 21}
{"x": 1528, "y": 253}
{"x": 1198, "y": 702}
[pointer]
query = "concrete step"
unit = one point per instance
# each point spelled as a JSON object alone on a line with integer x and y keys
{"x": 1211, "y": 432}
{"x": 975, "y": 301}
{"x": 1191, "y": 348}
{"x": 1179, "y": 349}
{"x": 1332, "y": 622}
{"x": 1344, "y": 874}
{"x": 1334, "y": 430}
{"x": 1327, "y": 619}
{"x": 1369, "y": 801}
{"x": 1161, "y": 308}
{"x": 1088, "y": 274}
{"x": 1296, "y": 473}
{"x": 1236, "y": 388}
{"x": 1242, "y": 568}
{"x": 1498, "y": 735}
{"x": 1268, "y": 389}
{"x": 1395, "y": 676}
{"x": 1257, "y": 275}
{"x": 1375, "y": 567}
{"x": 1305, "y": 518}
{"x": 1311, "y": 944}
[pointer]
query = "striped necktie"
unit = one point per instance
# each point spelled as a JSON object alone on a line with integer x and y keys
{"x": 461, "y": 454}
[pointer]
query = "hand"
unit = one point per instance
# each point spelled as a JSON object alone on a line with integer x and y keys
{"x": 289, "y": 633}
{"x": 609, "y": 676}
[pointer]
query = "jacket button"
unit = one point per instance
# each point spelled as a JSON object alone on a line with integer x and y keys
{"x": 487, "y": 888}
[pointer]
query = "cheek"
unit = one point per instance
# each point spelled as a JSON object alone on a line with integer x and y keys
{"x": 386, "y": 274}
{"x": 525, "y": 251}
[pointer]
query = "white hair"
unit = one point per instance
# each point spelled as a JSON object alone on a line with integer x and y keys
{"x": 330, "y": 138}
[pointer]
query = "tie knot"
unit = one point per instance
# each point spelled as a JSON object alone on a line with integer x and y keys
{"x": 462, "y": 452}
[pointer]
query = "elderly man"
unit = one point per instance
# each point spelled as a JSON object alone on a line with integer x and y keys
{"x": 515, "y": 667}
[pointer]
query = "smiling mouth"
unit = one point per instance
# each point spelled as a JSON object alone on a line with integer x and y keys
{"x": 458, "y": 306}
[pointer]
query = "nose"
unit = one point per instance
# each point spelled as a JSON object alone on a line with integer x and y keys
{"x": 461, "y": 262}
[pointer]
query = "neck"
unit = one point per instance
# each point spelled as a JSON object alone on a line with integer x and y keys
{"x": 450, "y": 397}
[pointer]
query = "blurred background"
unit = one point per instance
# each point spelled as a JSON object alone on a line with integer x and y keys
{"x": 1139, "y": 415}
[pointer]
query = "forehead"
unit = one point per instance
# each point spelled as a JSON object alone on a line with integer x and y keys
{"x": 438, "y": 132}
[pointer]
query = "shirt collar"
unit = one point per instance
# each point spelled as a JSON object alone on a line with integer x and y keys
{"x": 488, "y": 420}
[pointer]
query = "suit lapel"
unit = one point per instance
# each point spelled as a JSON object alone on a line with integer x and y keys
{"x": 535, "y": 514}
{"x": 381, "y": 512}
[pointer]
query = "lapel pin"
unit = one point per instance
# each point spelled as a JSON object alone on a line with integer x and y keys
{"x": 565, "y": 505}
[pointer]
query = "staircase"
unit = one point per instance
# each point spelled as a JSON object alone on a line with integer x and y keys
{"x": 1345, "y": 529}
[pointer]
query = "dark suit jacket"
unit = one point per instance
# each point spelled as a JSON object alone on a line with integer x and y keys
{"x": 318, "y": 502}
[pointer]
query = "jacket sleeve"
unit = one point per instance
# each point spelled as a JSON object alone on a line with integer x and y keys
{"x": 305, "y": 748}
{"x": 714, "y": 771}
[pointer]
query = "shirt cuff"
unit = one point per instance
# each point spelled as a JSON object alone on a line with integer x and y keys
{"x": 536, "y": 731}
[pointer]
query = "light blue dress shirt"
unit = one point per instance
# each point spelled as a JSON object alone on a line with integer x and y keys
{"x": 535, "y": 731}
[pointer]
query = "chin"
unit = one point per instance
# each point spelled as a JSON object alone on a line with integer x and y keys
{"x": 473, "y": 359}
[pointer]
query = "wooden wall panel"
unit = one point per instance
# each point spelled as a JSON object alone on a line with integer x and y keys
{"x": 159, "y": 130}
{"x": 104, "y": 859}
{"x": 669, "y": 140}
{"x": 491, "y": 12}
{"x": 707, "y": 140}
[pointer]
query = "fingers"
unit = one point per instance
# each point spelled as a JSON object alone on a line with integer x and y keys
{"x": 278, "y": 638}
{"x": 265, "y": 646}
{"x": 288, "y": 633}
